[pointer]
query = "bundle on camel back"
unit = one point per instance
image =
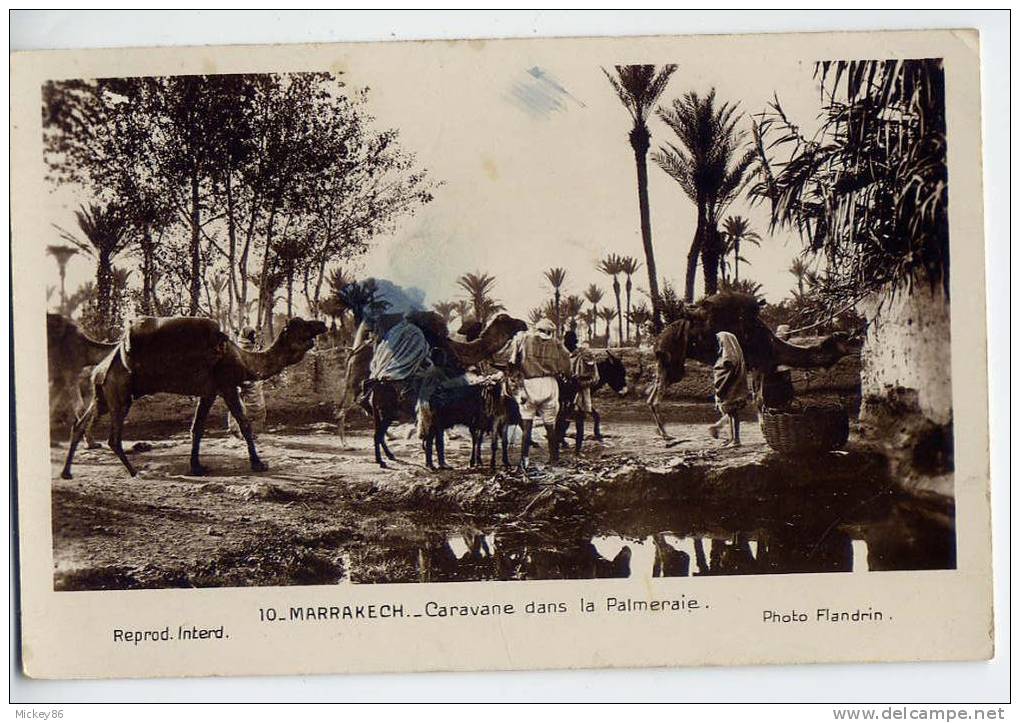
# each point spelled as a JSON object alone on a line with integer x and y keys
{"x": 408, "y": 350}
{"x": 694, "y": 336}
{"x": 189, "y": 356}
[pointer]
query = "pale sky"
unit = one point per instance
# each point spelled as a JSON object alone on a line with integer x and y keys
{"x": 531, "y": 145}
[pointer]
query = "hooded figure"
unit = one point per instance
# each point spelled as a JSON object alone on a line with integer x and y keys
{"x": 729, "y": 377}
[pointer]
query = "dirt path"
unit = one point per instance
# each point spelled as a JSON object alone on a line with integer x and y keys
{"x": 290, "y": 524}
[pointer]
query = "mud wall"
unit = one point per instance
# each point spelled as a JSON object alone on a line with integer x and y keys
{"x": 908, "y": 348}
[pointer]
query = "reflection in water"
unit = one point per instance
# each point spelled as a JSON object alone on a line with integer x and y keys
{"x": 837, "y": 534}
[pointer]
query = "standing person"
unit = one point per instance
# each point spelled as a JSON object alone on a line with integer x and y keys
{"x": 729, "y": 377}
{"x": 570, "y": 338}
{"x": 253, "y": 399}
{"x": 585, "y": 372}
{"x": 537, "y": 357}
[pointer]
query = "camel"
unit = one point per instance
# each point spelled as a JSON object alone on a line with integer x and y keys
{"x": 189, "y": 356}
{"x": 390, "y": 400}
{"x": 69, "y": 353}
{"x": 693, "y": 336}
{"x": 359, "y": 359}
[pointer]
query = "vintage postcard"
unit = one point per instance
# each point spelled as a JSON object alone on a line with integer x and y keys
{"x": 500, "y": 354}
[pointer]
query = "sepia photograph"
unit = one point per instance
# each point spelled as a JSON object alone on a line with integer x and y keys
{"x": 510, "y": 312}
{"x": 267, "y": 368}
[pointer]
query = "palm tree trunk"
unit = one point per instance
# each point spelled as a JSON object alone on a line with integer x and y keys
{"x": 696, "y": 251}
{"x": 619, "y": 312}
{"x": 710, "y": 262}
{"x": 639, "y": 141}
{"x": 556, "y": 301}
{"x": 628, "y": 287}
{"x": 736, "y": 259}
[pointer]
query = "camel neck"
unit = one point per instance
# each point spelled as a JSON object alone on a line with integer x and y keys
{"x": 264, "y": 364}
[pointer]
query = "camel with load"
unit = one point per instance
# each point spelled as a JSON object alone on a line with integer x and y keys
{"x": 190, "y": 356}
{"x": 694, "y": 336}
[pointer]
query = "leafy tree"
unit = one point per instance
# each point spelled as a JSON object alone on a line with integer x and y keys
{"x": 710, "y": 168}
{"x": 673, "y": 306}
{"x": 869, "y": 191}
{"x": 638, "y": 87}
{"x": 639, "y": 315}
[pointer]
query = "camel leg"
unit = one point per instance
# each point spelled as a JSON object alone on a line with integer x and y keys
{"x": 654, "y": 398}
{"x": 596, "y": 419}
{"x": 579, "y": 432}
{"x": 77, "y": 432}
{"x": 118, "y": 411}
{"x": 197, "y": 429}
{"x": 230, "y": 396}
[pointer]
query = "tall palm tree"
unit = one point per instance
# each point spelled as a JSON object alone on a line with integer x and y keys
{"x": 479, "y": 287}
{"x": 590, "y": 317}
{"x": 737, "y": 230}
{"x": 556, "y": 276}
{"x": 799, "y": 269}
{"x": 464, "y": 308}
{"x": 338, "y": 280}
{"x": 594, "y": 296}
{"x": 711, "y": 169}
{"x": 573, "y": 305}
{"x": 640, "y": 315}
{"x": 629, "y": 266}
{"x": 62, "y": 254}
{"x": 638, "y": 88}
{"x": 445, "y": 309}
{"x": 106, "y": 234}
{"x": 612, "y": 265}
{"x": 608, "y": 313}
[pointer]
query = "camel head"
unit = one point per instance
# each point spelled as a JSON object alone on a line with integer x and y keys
{"x": 298, "y": 337}
{"x": 504, "y": 325}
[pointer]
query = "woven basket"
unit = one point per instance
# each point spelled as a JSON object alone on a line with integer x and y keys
{"x": 805, "y": 429}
